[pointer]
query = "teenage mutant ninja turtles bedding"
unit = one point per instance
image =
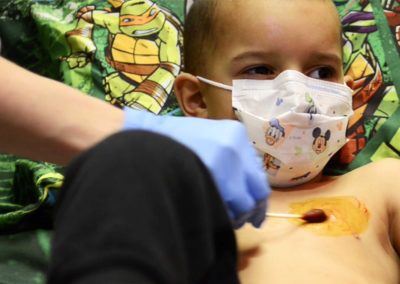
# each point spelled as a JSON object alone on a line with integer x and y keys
{"x": 129, "y": 55}
{"x": 371, "y": 48}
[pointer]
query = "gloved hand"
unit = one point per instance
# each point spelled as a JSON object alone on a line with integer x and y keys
{"x": 223, "y": 146}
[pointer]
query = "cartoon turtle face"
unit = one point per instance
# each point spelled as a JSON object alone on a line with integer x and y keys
{"x": 140, "y": 18}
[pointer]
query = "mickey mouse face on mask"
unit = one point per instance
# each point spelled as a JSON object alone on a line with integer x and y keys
{"x": 320, "y": 141}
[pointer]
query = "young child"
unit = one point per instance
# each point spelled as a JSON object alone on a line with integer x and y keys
{"x": 261, "y": 40}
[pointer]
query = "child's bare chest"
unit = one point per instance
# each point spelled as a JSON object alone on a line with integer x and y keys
{"x": 289, "y": 255}
{"x": 351, "y": 246}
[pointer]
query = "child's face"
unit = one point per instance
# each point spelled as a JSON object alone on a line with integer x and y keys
{"x": 260, "y": 39}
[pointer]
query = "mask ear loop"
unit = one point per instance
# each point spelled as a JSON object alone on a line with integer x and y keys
{"x": 218, "y": 85}
{"x": 215, "y": 84}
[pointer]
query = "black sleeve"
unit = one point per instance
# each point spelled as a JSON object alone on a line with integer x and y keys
{"x": 140, "y": 208}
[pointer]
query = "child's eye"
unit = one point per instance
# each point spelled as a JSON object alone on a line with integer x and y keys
{"x": 322, "y": 73}
{"x": 259, "y": 72}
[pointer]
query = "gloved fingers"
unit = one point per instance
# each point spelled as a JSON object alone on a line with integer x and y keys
{"x": 240, "y": 220}
{"x": 230, "y": 214}
{"x": 258, "y": 214}
{"x": 260, "y": 190}
{"x": 257, "y": 186}
{"x": 239, "y": 202}
{"x": 248, "y": 189}
{"x": 255, "y": 173}
{"x": 257, "y": 181}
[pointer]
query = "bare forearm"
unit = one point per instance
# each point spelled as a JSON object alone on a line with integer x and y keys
{"x": 46, "y": 120}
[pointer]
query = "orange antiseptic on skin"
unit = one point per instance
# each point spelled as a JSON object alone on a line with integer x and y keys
{"x": 346, "y": 215}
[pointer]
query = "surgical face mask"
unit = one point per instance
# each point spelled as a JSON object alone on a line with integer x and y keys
{"x": 295, "y": 122}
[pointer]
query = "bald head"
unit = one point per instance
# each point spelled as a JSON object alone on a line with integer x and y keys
{"x": 209, "y": 20}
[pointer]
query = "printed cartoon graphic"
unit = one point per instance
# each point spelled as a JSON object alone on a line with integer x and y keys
{"x": 392, "y": 11}
{"x": 272, "y": 164}
{"x": 301, "y": 177}
{"x": 144, "y": 49}
{"x": 274, "y": 132}
{"x": 374, "y": 96}
{"x": 320, "y": 140}
{"x": 362, "y": 66}
{"x": 311, "y": 108}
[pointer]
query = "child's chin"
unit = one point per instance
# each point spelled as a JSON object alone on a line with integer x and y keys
{"x": 249, "y": 238}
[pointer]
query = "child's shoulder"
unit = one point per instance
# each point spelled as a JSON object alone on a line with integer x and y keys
{"x": 384, "y": 174}
{"x": 385, "y": 166}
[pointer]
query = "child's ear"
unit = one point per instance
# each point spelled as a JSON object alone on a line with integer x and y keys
{"x": 189, "y": 96}
{"x": 349, "y": 81}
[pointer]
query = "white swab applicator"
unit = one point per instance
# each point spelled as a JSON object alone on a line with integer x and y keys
{"x": 312, "y": 216}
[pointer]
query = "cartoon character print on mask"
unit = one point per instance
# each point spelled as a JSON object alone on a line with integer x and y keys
{"x": 288, "y": 118}
{"x": 271, "y": 164}
{"x": 320, "y": 142}
{"x": 275, "y": 132}
{"x": 301, "y": 177}
{"x": 311, "y": 108}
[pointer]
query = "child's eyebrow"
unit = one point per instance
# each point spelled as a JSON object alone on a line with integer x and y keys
{"x": 326, "y": 57}
{"x": 317, "y": 56}
{"x": 254, "y": 55}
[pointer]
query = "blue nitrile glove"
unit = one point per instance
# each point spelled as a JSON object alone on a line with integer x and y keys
{"x": 223, "y": 146}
